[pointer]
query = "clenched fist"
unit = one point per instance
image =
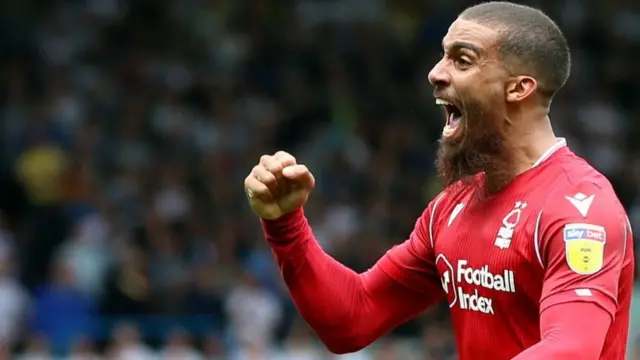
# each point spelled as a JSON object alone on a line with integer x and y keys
{"x": 278, "y": 185}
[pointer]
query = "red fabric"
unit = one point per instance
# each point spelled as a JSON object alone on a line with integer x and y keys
{"x": 502, "y": 263}
{"x": 503, "y": 258}
{"x": 608, "y": 286}
{"x": 569, "y": 334}
{"x": 559, "y": 274}
{"x": 347, "y": 310}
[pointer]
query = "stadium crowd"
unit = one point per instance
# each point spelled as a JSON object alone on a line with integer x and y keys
{"x": 129, "y": 125}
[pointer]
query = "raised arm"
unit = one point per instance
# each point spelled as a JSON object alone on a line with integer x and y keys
{"x": 347, "y": 310}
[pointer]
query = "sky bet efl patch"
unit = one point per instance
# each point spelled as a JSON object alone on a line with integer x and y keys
{"x": 584, "y": 245}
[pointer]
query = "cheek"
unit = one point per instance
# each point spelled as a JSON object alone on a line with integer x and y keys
{"x": 492, "y": 95}
{"x": 475, "y": 84}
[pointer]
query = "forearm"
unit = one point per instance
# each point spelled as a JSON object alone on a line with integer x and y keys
{"x": 347, "y": 310}
{"x": 570, "y": 331}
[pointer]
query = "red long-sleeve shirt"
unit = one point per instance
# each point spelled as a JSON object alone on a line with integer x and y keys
{"x": 556, "y": 284}
{"x": 347, "y": 310}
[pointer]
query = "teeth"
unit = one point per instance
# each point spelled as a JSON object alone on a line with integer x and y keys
{"x": 442, "y": 102}
{"x": 449, "y": 130}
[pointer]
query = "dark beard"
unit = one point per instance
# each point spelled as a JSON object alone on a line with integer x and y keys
{"x": 481, "y": 148}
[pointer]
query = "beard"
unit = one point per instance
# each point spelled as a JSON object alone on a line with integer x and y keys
{"x": 481, "y": 148}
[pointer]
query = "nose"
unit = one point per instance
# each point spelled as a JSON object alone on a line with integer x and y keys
{"x": 439, "y": 76}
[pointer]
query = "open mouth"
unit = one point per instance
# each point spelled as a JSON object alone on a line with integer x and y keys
{"x": 453, "y": 116}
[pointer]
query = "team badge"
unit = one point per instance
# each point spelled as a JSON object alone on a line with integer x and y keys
{"x": 584, "y": 245}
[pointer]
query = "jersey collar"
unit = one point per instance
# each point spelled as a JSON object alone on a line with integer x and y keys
{"x": 560, "y": 143}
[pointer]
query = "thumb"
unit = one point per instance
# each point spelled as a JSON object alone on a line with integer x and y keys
{"x": 299, "y": 174}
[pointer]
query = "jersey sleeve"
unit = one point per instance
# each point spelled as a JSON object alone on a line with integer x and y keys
{"x": 581, "y": 245}
{"x": 412, "y": 263}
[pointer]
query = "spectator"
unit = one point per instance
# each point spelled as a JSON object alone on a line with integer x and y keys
{"x": 61, "y": 312}
{"x": 437, "y": 344}
{"x": 37, "y": 348}
{"x": 87, "y": 255}
{"x": 179, "y": 347}
{"x": 168, "y": 267}
{"x": 83, "y": 349}
{"x": 253, "y": 313}
{"x": 127, "y": 344}
{"x": 39, "y": 168}
{"x": 14, "y": 300}
{"x": 128, "y": 126}
{"x": 205, "y": 298}
{"x": 300, "y": 346}
{"x": 127, "y": 288}
{"x": 213, "y": 349}
{"x": 388, "y": 351}
{"x": 252, "y": 351}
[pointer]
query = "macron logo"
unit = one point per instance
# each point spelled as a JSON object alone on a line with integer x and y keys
{"x": 581, "y": 202}
{"x": 454, "y": 213}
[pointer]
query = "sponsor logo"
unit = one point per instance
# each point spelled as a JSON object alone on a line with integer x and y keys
{"x": 584, "y": 247}
{"x": 462, "y": 284}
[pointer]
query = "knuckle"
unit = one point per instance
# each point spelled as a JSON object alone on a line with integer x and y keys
{"x": 267, "y": 177}
{"x": 270, "y": 163}
{"x": 285, "y": 157}
{"x": 282, "y": 154}
{"x": 250, "y": 182}
{"x": 265, "y": 159}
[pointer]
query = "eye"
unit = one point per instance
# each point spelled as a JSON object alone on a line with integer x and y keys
{"x": 463, "y": 63}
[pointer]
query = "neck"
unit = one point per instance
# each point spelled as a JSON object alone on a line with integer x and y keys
{"x": 532, "y": 144}
{"x": 528, "y": 144}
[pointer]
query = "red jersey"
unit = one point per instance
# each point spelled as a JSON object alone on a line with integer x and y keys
{"x": 555, "y": 234}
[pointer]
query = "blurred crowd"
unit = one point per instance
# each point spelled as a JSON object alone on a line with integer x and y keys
{"x": 128, "y": 127}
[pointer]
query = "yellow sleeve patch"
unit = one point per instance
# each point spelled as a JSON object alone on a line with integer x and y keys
{"x": 584, "y": 244}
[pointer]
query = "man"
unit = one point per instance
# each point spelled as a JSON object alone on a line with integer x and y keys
{"x": 527, "y": 243}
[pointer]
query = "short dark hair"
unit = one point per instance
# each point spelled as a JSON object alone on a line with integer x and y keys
{"x": 530, "y": 42}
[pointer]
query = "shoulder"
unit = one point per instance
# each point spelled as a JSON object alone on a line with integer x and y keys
{"x": 575, "y": 196}
{"x": 425, "y": 223}
{"x": 448, "y": 197}
{"x": 457, "y": 191}
{"x": 580, "y": 191}
{"x": 444, "y": 203}
{"x": 582, "y": 206}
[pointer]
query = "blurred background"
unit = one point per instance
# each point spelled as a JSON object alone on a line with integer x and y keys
{"x": 128, "y": 127}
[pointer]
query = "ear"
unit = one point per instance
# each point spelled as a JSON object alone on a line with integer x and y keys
{"x": 520, "y": 88}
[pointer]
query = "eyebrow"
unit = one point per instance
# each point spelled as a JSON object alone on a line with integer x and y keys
{"x": 458, "y": 45}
